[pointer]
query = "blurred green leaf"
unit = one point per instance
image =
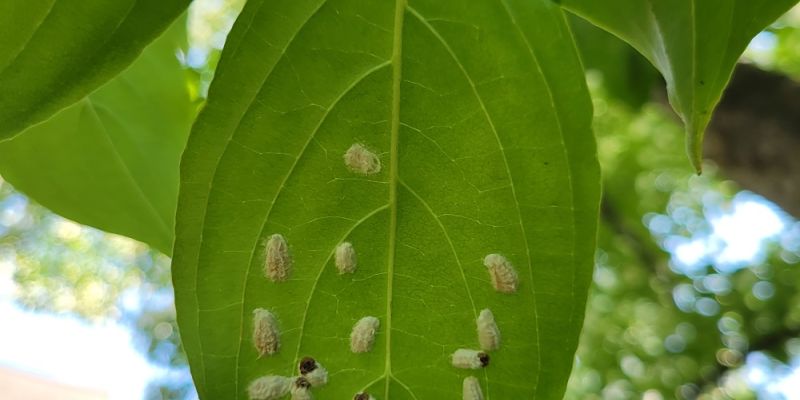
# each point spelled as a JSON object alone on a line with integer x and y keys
{"x": 626, "y": 75}
{"x": 480, "y": 116}
{"x": 55, "y": 52}
{"x": 111, "y": 160}
{"x": 694, "y": 43}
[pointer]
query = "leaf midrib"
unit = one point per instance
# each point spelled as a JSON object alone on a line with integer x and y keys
{"x": 397, "y": 66}
{"x": 395, "y": 181}
{"x": 163, "y": 225}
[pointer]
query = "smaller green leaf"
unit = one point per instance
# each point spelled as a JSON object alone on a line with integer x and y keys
{"x": 55, "y": 52}
{"x": 695, "y": 44}
{"x": 111, "y": 160}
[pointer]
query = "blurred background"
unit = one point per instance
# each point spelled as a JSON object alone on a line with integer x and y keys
{"x": 696, "y": 282}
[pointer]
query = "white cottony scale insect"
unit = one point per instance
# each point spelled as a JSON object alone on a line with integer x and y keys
{"x": 504, "y": 276}
{"x": 269, "y": 387}
{"x": 301, "y": 389}
{"x": 363, "y": 334}
{"x": 488, "y": 333}
{"x": 266, "y": 337}
{"x": 472, "y": 389}
{"x": 362, "y": 161}
{"x": 345, "y": 258}
{"x": 314, "y": 372}
{"x": 278, "y": 263}
{"x": 470, "y": 359}
{"x": 363, "y": 396}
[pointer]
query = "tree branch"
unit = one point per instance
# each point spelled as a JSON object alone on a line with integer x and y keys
{"x": 754, "y": 135}
{"x": 764, "y": 343}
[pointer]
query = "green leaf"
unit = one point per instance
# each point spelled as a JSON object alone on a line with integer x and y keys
{"x": 480, "y": 117}
{"x": 55, "y": 52}
{"x": 694, "y": 43}
{"x": 112, "y": 159}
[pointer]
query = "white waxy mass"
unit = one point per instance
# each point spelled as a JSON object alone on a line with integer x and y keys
{"x": 361, "y": 160}
{"x": 345, "y": 258}
{"x": 363, "y": 335}
{"x": 472, "y": 389}
{"x": 301, "y": 389}
{"x": 488, "y": 332}
{"x": 266, "y": 336}
{"x": 504, "y": 276}
{"x": 270, "y": 387}
{"x": 278, "y": 262}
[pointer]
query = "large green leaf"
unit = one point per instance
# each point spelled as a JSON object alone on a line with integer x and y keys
{"x": 55, "y": 52}
{"x": 694, "y": 43}
{"x": 479, "y": 113}
{"x": 111, "y": 160}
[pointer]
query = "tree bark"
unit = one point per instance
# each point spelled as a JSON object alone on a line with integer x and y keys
{"x": 754, "y": 136}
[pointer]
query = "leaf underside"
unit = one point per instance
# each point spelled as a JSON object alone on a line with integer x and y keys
{"x": 480, "y": 116}
{"x": 694, "y": 43}
{"x": 55, "y": 52}
{"x": 111, "y": 160}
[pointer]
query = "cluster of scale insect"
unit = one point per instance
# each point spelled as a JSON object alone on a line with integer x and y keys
{"x": 273, "y": 387}
{"x": 278, "y": 265}
{"x": 278, "y": 268}
{"x": 504, "y": 279}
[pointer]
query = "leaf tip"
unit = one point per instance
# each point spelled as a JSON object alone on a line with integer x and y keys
{"x": 694, "y": 145}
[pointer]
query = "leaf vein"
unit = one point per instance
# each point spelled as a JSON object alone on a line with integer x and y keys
{"x": 162, "y": 224}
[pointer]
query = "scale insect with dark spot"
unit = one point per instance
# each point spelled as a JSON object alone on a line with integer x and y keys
{"x": 301, "y": 389}
{"x": 470, "y": 359}
{"x": 313, "y": 371}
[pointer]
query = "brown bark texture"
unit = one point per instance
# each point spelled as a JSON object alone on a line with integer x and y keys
{"x": 754, "y": 136}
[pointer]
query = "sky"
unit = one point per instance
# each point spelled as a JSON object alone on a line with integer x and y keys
{"x": 65, "y": 349}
